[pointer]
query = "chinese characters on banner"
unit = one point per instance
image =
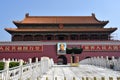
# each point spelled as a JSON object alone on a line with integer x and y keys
{"x": 101, "y": 47}
{"x": 21, "y": 48}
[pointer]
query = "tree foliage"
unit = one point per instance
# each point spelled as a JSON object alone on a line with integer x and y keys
{"x": 74, "y": 50}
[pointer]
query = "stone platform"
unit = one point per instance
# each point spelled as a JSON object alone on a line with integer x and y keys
{"x": 68, "y": 72}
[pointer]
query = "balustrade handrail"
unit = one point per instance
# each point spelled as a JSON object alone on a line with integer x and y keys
{"x": 28, "y": 71}
{"x": 103, "y": 62}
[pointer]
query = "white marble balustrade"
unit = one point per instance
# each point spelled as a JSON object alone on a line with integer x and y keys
{"x": 30, "y": 71}
{"x": 103, "y": 62}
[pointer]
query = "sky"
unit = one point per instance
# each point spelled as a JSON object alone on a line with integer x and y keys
{"x": 15, "y": 10}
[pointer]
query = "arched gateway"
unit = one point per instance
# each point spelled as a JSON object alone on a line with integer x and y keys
{"x": 62, "y": 60}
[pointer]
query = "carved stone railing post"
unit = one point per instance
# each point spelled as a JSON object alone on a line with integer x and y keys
{"x": 21, "y": 72}
{"x": 3, "y": 60}
{"x": 6, "y": 68}
{"x": 30, "y": 60}
{"x": 36, "y": 59}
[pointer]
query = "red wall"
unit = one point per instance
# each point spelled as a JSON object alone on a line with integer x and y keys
{"x": 51, "y": 51}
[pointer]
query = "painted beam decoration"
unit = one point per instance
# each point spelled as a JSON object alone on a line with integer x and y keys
{"x": 101, "y": 47}
{"x": 61, "y": 48}
{"x": 21, "y": 48}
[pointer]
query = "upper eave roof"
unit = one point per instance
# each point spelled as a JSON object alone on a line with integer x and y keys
{"x": 60, "y": 20}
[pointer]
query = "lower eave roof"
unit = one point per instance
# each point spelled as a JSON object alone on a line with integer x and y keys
{"x": 12, "y": 30}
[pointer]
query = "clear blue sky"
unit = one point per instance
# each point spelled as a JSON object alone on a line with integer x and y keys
{"x": 16, "y": 9}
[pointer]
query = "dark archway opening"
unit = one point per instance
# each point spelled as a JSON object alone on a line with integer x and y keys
{"x": 109, "y": 58}
{"x": 62, "y": 60}
{"x": 87, "y": 57}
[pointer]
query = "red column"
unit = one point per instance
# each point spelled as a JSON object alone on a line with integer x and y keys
{"x": 44, "y": 38}
{"x": 54, "y": 37}
{"x": 78, "y": 37}
{"x": 68, "y": 37}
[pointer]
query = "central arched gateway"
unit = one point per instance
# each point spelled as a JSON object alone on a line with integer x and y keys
{"x": 62, "y": 60}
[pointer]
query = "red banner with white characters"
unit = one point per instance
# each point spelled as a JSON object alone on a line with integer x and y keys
{"x": 101, "y": 47}
{"x": 39, "y": 48}
{"x": 21, "y": 48}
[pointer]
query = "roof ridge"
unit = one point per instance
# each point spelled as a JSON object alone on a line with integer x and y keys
{"x": 28, "y": 16}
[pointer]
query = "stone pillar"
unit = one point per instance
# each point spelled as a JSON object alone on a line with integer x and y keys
{"x": 113, "y": 58}
{"x": 52, "y": 62}
{"x": 3, "y": 60}
{"x": 21, "y": 62}
{"x": 107, "y": 58}
{"x": 6, "y": 67}
{"x": 13, "y": 59}
{"x": 101, "y": 57}
{"x": 8, "y": 59}
{"x": 30, "y": 60}
{"x": 36, "y": 60}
